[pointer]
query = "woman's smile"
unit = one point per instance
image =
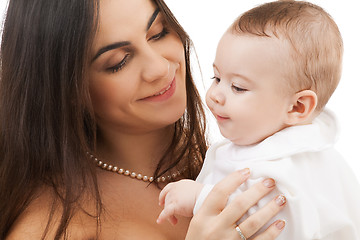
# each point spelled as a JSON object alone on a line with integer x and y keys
{"x": 164, "y": 94}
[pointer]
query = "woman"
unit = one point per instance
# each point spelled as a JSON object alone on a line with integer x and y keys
{"x": 90, "y": 89}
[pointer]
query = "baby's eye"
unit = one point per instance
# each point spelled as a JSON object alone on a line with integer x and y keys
{"x": 238, "y": 89}
{"x": 216, "y": 79}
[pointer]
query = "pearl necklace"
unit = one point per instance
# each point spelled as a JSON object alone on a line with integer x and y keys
{"x": 135, "y": 175}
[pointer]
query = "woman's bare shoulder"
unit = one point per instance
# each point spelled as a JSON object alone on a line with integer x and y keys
{"x": 32, "y": 223}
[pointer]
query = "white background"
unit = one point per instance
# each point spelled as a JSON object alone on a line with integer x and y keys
{"x": 206, "y": 20}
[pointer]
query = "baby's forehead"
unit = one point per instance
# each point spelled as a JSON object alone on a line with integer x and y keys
{"x": 260, "y": 56}
{"x": 278, "y": 42}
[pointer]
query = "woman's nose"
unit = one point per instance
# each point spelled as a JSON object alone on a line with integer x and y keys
{"x": 155, "y": 66}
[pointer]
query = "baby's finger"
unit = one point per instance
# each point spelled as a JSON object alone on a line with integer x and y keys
{"x": 253, "y": 223}
{"x": 166, "y": 213}
{"x": 161, "y": 218}
{"x": 272, "y": 231}
{"x": 241, "y": 204}
{"x": 218, "y": 197}
{"x": 163, "y": 194}
{"x": 173, "y": 220}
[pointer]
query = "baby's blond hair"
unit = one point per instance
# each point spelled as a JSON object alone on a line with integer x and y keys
{"x": 314, "y": 37}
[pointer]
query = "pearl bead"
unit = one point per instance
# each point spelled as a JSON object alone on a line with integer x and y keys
{"x": 138, "y": 176}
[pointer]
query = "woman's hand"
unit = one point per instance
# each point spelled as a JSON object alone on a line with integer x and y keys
{"x": 215, "y": 220}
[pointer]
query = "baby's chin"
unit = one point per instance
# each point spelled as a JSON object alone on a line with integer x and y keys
{"x": 244, "y": 141}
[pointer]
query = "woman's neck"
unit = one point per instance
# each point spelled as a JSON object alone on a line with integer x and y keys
{"x": 136, "y": 152}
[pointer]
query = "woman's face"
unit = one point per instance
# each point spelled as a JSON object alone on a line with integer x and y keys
{"x": 137, "y": 73}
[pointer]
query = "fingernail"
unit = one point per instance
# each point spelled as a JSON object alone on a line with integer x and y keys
{"x": 245, "y": 171}
{"x": 280, "y": 200}
{"x": 280, "y": 224}
{"x": 269, "y": 182}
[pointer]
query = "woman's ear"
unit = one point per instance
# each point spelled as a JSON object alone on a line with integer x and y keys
{"x": 302, "y": 106}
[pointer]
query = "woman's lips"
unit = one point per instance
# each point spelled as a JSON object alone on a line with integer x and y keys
{"x": 164, "y": 94}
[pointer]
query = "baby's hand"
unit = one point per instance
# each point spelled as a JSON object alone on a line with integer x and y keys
{"x": 178, "y": 198}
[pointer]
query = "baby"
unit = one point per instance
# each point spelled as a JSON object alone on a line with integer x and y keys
{"x": 275, "y": 69}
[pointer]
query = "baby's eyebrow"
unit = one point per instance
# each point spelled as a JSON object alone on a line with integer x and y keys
{"x": 242, "y": 77}
{"x": 247, "y": 79}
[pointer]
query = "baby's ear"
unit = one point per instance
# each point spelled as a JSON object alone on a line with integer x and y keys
{"x": 302, "y": 106}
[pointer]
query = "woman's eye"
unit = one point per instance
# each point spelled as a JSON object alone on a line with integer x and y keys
{"x": 216, "y": 79}
{"x": 120, "y": 65}
{"x": 238, "y": 89}
{"x": 160, "y": 35}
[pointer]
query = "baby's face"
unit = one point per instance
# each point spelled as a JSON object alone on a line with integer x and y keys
{"x": 248, "y": 96}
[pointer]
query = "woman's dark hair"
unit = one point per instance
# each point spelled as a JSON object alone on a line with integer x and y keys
{"x": 189, "y": 135}
{"x": 46, "y": 120}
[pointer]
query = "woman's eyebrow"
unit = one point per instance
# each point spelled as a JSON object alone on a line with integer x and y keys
{"x": 125, "y": 43}
{"x": 110, "y": 47}
{"x": 152, "y": 18}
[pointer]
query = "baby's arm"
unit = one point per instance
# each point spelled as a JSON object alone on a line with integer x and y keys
{"x": 178, "y": 198}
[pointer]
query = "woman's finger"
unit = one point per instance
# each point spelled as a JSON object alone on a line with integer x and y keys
{"x": 241, "y": 204}
{"x": 272, "y": 231}
{"x": 218, "y": 197}
{"x": 253, "y": 223}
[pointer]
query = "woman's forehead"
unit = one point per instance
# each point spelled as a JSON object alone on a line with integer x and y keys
{"x": 125, "y": 11}
{"x": 120, "y": 20}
